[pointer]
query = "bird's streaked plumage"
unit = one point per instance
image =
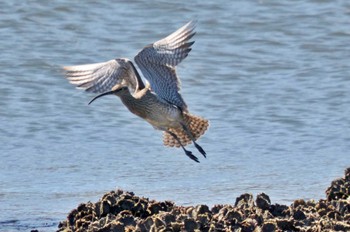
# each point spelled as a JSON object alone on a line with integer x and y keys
{"x": 158, "y": 102}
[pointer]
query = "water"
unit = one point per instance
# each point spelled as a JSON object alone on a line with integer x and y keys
{"x": 273, "y": 78}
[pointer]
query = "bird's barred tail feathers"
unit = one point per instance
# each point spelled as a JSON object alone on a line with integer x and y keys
{"x": 196, "y": 125}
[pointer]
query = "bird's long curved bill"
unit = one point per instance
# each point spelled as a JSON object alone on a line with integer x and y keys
{"x": 101, "y": 95}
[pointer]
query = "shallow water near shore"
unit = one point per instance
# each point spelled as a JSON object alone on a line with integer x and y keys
{"x": 272, "y": 78}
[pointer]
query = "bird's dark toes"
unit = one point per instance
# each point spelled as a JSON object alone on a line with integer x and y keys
{"x": 200, "y": 149}
{"x": 189, "y": 154}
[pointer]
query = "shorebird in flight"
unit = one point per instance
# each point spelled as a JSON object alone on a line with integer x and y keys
{"x": 158, "y": 101}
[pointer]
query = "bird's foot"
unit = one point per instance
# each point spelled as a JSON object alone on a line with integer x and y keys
{"x": 189, "y": 154}
{"x": 200, "y": 149}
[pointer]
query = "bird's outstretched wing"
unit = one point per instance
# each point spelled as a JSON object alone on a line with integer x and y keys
{"x": 103, "y": 77}
{"x": 158, "y": 60}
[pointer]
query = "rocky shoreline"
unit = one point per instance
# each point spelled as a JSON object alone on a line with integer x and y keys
{"x": 123, "y": 211}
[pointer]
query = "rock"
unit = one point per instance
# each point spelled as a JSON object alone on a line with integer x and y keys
{"x": 110, "y": 198}
{"x": 249, "y": 224}
{"x": 154, "y": 208}
{"x": 334, "y": 215}
{"x": 263, "y": 201}
{"x": 322, "y": 204}
{"x": 299, "y": 215}
{"x": 158, "y": 223}
{"x": 347, "y": 217}
{"x": 190, "y": 224}
{"x": 203, "y": 219}
{"x": 140, "y": 209}
{"x": 126, "y": 220}
{"x": 245, "y": 201}
{"x": 104, "y": 208}
{"x": 269, "y": 226}
{"x": 219, "y": 216}
{"x": 278, "y": 210}
{"x": 322, "y": 212}
{"x": 347, "y": 175}
{"x": 145, "y": 224}
{"x": 311, "y": 204}
{"x": 299, "y": 202}
{"x": 342, "y": 206}
{"x": 71, "y": 218}
{"x": 285, "y": 224}
{"x": 340, "y": 188}
{"x": 167, "y": 217}
{"x": 216, "y": 209}
{"x": 325, "y": 223}
{"x": 176, "y": 226}
{"x": 202, "y": 209}
{"x": 111, "y": 227}
{"x": 125, "y": 204}
{"x": 341, "y": 226}
{"x": 233, "y": 214}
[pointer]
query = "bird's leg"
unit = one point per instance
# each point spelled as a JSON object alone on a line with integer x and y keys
{"x": 188, "y": 153}
{"x": 199, "y": 148}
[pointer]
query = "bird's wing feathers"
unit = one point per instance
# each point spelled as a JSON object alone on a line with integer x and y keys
{"x": 102, "y": 77}
{"x": 158, "y": 60}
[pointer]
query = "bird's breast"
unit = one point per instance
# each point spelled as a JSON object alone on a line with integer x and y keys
{"x": 158, "y": 113}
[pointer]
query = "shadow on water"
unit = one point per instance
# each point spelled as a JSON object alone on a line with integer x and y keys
{"x": 47, "y": 224}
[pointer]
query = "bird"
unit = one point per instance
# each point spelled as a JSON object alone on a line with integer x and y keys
{"x": 158, "y": 100}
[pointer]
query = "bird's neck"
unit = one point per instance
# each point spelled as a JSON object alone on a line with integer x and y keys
{"x": 136, "y": 103}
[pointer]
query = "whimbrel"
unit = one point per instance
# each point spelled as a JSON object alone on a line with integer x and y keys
{"x": 158, "y": 101}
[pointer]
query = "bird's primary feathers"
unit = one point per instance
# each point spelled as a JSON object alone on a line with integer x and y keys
{"x": 156, "y": 61}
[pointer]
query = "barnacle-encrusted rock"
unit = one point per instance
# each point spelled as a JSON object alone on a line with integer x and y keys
{"x": 263, "y": 201}
{"x": 123, "y": 211}
{"x": 245, "y": 201}
{"x": 340, "y": 188}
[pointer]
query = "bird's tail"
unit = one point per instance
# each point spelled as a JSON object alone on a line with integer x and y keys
{"x": 195, "y": 124}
